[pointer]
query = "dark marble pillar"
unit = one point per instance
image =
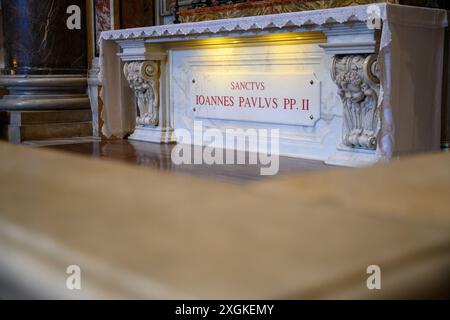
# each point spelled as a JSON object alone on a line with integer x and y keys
{"x": 37, "y": 40}
{"x": 45, "y": 71}
{"x": 445, "y": 124}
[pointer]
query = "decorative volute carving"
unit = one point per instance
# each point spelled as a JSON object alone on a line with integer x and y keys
{"x": 357, "y": 78}
{"x": 143, "y": 78}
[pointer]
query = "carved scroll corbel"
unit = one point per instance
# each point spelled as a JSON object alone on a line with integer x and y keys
{"x": 143, "y": 78}
{"x": 357, "y": 78}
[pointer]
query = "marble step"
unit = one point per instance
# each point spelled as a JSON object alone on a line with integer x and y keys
{"x": 18, "y": 118}
{"x": 20, "y": 133}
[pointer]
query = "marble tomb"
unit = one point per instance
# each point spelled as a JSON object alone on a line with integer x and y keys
{"x": 339, "y": 84}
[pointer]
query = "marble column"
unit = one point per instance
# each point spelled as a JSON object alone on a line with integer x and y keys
{"x": 445, "y": 132}
{"x": 45, "y": 61}
{"x": 94, "y": 85}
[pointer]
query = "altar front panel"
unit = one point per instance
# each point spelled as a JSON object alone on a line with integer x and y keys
{"x": 288, "y": 88}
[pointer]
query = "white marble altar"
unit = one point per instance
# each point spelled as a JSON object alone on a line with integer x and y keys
{"x": 374, "y": 89}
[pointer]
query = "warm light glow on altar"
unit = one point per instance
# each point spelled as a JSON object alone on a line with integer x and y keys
{"x": 277, "y": 38}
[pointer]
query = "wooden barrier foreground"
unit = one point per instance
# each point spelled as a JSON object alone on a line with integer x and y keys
{"x": 138, "y": 233}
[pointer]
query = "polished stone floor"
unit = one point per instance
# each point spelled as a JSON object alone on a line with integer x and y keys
{"x": 158, "y": 156}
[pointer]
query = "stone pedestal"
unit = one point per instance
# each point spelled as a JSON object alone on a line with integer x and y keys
{"x": 40, "y": 125}
{"x": 45, "y": 69}
{"x": 94, "y": 86}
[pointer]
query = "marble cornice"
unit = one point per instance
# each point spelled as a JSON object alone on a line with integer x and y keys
{"x": 304, "y": 19}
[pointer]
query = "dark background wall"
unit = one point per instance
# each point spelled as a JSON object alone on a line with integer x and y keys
{"x": 137, "y": 13}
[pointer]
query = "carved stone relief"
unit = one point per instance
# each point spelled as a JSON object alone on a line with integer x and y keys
{"x": 143, "y": 78}
{"x": 357, "y": 78}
